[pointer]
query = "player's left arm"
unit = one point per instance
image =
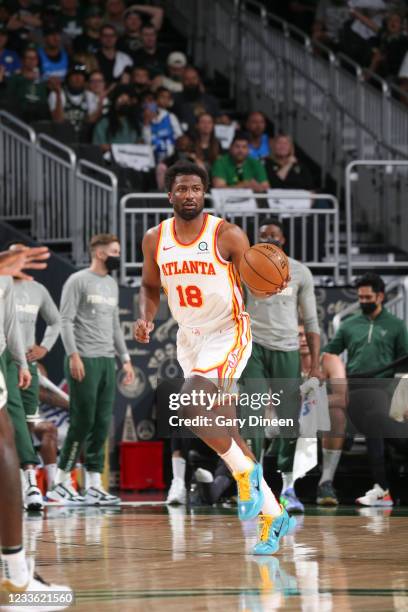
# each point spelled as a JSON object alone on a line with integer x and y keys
{"x": 335, "y": 371}
{"x": 307, "y": 304}
{"x": 50, "y": 313}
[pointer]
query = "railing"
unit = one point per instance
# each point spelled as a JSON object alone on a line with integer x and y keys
{"x": 305, "y": 227}
{"x": 385, "y": 213}
{"x": 17, "y": 175}
{"x": 54, "y": 218}
{"x": 397, "y": 303}
{"x": 96, "y": 206}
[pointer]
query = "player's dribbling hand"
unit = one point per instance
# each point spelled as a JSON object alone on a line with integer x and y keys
{"x": 129, "y": 377}
{"x": 76, "y": 367}
{"x": 141, "y": 330}
{"x": 24, "y": 378}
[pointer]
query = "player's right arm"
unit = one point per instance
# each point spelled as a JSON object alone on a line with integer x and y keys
{"x": 149, "y": 296}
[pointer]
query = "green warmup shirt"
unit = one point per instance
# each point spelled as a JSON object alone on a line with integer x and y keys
{"x": 274, "y": 320}
{"x": 225, "y": 168}
{"x": 90, "y": 316}
{"x": 32, "y": 299}
{"x": 370, "y": 343}
{"x": 10, "y": 334}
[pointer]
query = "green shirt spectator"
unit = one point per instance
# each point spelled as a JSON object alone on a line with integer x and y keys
{"x": 126, "y": 134}
{"x": 120, "y": 125}
{"x": 26, "y": 94}
{"x": 237, "y": 169}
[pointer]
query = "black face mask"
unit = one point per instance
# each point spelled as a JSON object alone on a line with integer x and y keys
{"x": 274, "y": 241}
{"x": 192, "y": 92}
{"x": 368, "y": 307}
{"x": 112, "y": 263}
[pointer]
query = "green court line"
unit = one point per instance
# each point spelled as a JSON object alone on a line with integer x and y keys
{"x": 106, "y": 595}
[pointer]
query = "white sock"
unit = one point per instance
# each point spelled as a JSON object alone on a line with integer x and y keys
{"x": 236, "y": 460}
{"x": 179, "y": 467}
{"x": 203, "y": 475}
{"x": 331, "y": 460}
{"x": 93, "y": 479}
{"x": 31, "y": 477}
{"x": 15, "y": 568}
{"x": 287, "y": 481}
{"x": 271, "y": 505}
{"x": 51, "y": 471}
{"x": 61, "y": 476}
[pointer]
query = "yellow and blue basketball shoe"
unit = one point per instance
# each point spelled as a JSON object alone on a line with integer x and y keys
{"x": 271, "y": 530}
{"x": 250, "y": 495}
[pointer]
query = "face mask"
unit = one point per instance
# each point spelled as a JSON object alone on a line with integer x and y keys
{"x": 368, "y": 307}
{"x": 271, "y": 241}
{"x": 112, "y": 263}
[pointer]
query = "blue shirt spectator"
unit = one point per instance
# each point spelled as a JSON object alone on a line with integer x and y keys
{"x": 9, "y": 60}
{"x": 258, "y": 138}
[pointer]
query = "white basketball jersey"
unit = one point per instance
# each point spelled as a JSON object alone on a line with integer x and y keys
{"x": 204, "y": 291}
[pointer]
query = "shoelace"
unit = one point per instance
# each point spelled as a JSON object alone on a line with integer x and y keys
{"x": 264, "y": 527}
{"x": 244, "y": 489}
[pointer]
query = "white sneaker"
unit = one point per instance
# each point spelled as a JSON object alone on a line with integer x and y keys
{"x": 36, "y": 586}
{"x": 33, "y": 499}
{"x": 376, "y": 497}
{"x": 97, "y": 496}
{"x": 177, "y": 493}
{"x": 65, "y": 495}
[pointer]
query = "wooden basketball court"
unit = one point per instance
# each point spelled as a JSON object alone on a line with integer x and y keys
{"x": 146, "y": 556}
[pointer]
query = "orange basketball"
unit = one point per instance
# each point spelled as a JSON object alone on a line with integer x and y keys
{"x": 264, "y": 268}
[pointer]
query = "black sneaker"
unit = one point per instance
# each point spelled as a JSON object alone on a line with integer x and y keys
{"x": 326, "y": 495}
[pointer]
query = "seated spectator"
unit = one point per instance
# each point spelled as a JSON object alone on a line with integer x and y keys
{"x": 25, "y": 20}
{"x": 172, "y": 80}
{"x": 283, "y": 169}
{"x": 120, "y": 126}
{"x": 258, "y": 138}
{"x": 193, "y": 101}
{"x": 150, "y": 55}
{"x": 165, "y": 99}
{"x": 86, "y": 59}
{"x": 111, "y": 61}
{"x": 160, "y": 128}
{"x": 184, "y": 151}
{"x": 99, "y": 100}
{"x": 331, "y": 15}
{"x": 114, "y": 15}
{"x": 206, "y": 146}
{"x": 89, "y": 41}
{"x": 134, "y": 16}
{"x": 9, "y": 60}
{"x": 140, "y": 80}
{"x": 26, "y": 92}
{"x": 236, "y": 169}
{"x": 71, "y": 101}
{"x": 69, "y": 19}
{"x": 54, "y": 59}
{"x": 392, "y": 46}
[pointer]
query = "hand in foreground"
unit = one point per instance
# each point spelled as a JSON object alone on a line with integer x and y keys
{"x": 12, "y": 263}
{"x": 142, "y": 330}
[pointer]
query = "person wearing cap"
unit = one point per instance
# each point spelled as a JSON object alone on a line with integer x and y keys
{"x": 71, "y": 101}
{"x": 89, "y": 40}
{"x": 54, "y": 59}
{"x": 172, "y": 80}
{"x": 9, "y": 60}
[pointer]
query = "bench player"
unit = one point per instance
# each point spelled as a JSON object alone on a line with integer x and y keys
{"x": 195, "y": 257}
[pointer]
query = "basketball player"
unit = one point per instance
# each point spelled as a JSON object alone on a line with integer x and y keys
{"x": 334, "y": 374}
{"x": 196, "y": 257}
{"x": 31, "y": 299}
{"x": 91, "y": 334}
{"x": 18, "y": 572}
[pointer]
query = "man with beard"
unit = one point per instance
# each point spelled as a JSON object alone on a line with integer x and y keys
{"x": 373, "y": 339}
{"x": 190, "y": 103}
{"x": 237, "y": 169}
{"x": 275, "y": 360}
{"x": 195, "y": 257}
{"x": 91, "y": 334}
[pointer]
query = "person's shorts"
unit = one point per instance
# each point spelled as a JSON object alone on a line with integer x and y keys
{"x": 220, "y": 356}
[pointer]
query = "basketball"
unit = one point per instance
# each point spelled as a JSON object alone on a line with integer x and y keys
{"x": 264, "y": 268}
